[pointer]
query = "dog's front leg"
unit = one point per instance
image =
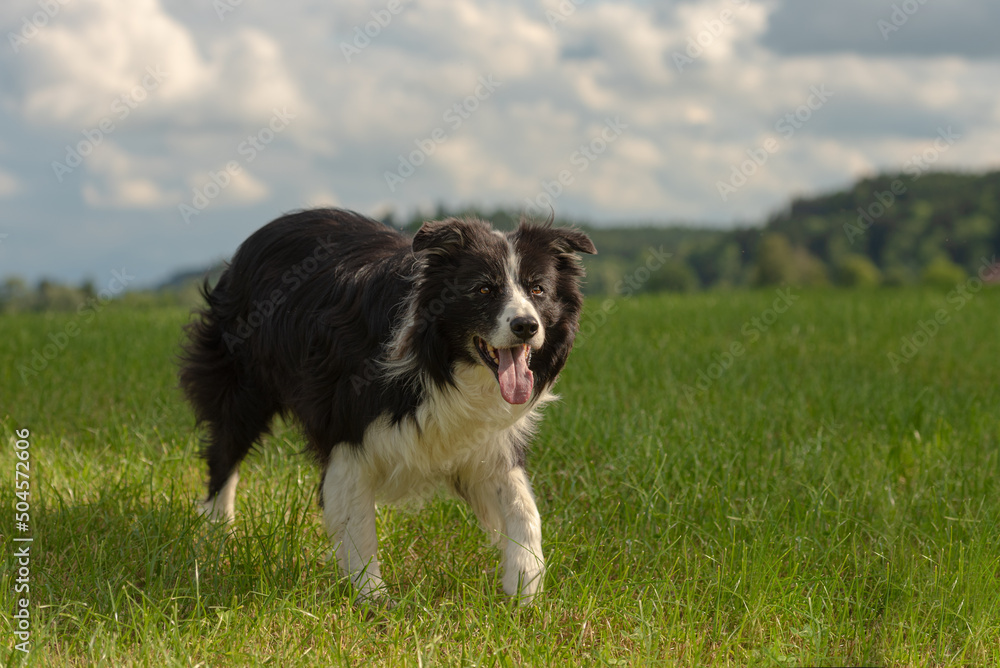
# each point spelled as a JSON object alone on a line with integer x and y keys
{"x": 506, "y": 508}
{"x": 349, "y": 516}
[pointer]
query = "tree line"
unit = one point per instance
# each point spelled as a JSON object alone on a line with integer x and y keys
{"x": 888, "y": 230}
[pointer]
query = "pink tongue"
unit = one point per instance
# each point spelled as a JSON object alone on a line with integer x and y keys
{"x": 516, "y": 379}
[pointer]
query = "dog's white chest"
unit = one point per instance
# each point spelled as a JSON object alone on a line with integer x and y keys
{"x": 467, "y": 430}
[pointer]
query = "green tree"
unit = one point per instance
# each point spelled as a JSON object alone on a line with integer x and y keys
{"x": 674, "y": 276}
{"x": 774, "y": 261}
{"x": 779, "y": 263}
{"x": 942, "y": 273}
{"x": 13, "y": 294}
{"x": 854, "y": 270}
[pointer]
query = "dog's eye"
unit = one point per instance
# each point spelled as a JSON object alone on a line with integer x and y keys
{"x": 537, "y": 290}
{"x": 485, "y": 290}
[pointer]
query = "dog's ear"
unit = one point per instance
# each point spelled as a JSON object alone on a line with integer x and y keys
{"x": 561, "y": 240}
{"x": 572, "y": 240}
{"x": 441, "y": 236}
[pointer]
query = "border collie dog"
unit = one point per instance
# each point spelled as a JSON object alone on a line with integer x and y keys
{"x": 410, "y": 364}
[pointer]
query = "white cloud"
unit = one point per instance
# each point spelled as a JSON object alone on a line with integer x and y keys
{"x": 228, "y": 187}
{"x": 722, "y": 28}
{"x": 97, "y": 51}
{"x": 322, "y": 198}
{"x": 95, "y": 56}
{"x": 116, "y": 179}
{"x": 557, "y": 87}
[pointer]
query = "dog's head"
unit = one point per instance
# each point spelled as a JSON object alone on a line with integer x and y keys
{"x": 507, "y": 301}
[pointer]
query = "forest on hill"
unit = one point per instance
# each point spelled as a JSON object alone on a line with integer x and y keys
{"x": 893, "y": 229}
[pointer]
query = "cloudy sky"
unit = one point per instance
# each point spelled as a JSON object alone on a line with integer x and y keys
{"x": 153, "y": 135}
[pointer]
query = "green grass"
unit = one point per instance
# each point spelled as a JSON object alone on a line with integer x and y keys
{"x": 807, "y": 507}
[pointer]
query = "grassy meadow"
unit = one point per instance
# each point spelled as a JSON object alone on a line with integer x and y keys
{"x": 721, "y": 484}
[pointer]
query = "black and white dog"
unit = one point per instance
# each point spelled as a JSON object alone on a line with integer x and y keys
{"x": 408, "y": 363}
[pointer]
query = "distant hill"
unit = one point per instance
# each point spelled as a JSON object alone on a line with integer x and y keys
{"x": 183, "y": 279}
{"x": 891, "y": 229}
{"x": 935, "y": 228}
{"x": 903, "y": 223}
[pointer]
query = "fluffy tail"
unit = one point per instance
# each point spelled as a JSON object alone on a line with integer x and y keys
{"x": 220, "y": 387}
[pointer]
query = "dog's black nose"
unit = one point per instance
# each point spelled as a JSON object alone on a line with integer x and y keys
{"x": 524, "y": 327}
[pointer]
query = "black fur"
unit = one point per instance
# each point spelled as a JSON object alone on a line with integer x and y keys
{"x": 312, "y": 306}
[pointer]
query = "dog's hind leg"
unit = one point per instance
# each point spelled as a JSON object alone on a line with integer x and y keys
{"x": 224, "y": 396}
{"x": 232, "y": 436}
{"x": 222, "y": 506}
{"x": 245, "y": 415}
{"x": 237, "y": 415}
{"x": 349, "y": 516}
{"x": 506, "y": 508}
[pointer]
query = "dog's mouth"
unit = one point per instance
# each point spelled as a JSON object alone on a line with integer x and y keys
{"x": 510, "y": 366}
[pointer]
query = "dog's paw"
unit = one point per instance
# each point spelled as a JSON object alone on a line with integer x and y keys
{"x": 216, "y": 512}
{"x": 524, "y": 584}
{"x": 368, "y": 585}
{"x": 374, "y": 601}
{"x": 371, "y": 594}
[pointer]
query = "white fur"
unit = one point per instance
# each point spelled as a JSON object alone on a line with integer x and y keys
{"x": 518, "y": 306}
{"x": 222, "y": 508}
{"x": 506, "y": 508}
{"x": 349, "y": 516}
{"x": 462, "y": 437}
{"x": 401, "y": 362}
